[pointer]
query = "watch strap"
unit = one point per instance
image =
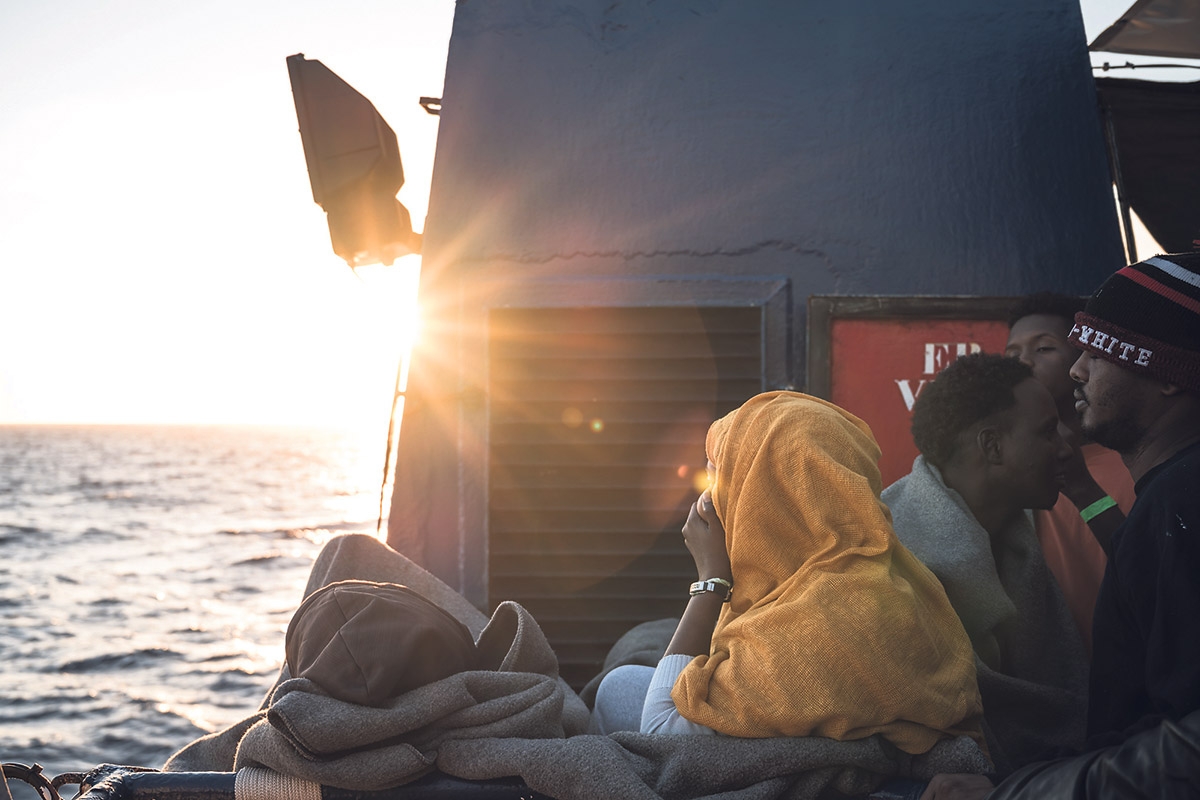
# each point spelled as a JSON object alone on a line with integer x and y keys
{"x": 718, "y": 585}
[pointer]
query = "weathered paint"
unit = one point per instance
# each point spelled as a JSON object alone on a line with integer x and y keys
{"x": 929, "y": 147}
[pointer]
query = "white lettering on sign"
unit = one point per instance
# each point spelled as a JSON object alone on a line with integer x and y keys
{"x": 1143, "y": 359}
{"x": 939, "y": 354}
{"x": 1125, "y": 348}
{"x": 908, "y": 392}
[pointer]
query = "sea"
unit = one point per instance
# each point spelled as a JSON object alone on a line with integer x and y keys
{"x": 148, "y": 574}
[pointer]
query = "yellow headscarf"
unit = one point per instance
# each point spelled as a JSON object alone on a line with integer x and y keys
{"x": 834, "y": 628}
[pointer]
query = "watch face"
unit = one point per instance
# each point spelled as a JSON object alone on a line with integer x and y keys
{"x": 712, "y": 585}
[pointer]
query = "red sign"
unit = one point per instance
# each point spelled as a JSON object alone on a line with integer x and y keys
{"x": 879, "y": 366}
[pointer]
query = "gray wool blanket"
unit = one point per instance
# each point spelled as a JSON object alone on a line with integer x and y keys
{"x": 519, "y": 718}
{"x": 1029, "y": 656}
{"x": 642, "y": 645}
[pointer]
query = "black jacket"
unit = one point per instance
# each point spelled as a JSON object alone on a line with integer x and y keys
{"x": 1162, "y": 763}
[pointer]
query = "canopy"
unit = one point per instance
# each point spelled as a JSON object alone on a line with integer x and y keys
{"x": 1155, "y": 132}
{"x": 1169, "y": 28}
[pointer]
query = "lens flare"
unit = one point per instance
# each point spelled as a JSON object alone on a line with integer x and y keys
{"x": 572, "y": 417}
{"x": 597, "y": 425}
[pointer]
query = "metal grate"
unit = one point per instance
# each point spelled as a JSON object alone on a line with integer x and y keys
{"x": 597, "y": 419}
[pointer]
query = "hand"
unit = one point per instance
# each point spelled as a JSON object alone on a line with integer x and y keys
{"x": 705, "y": 539}
{"x": 957, "y": 787}
{"x": 704, "y": 536}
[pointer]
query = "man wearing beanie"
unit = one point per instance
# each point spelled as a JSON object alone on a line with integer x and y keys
{"x": 1139, "y": 394}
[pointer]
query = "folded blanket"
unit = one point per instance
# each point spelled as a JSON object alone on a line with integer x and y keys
{"x": 834, "y": 628}
{"x": 307, "y": 734}
{"x": 641, "y": 766}
{"x": 511, "y": 720}
{"x": 1032, "y": 666}
{"x": 303, "y": 732}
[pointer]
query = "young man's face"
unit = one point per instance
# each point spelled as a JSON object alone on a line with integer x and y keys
{"x": 1035, "y": 455}
{"x": 1112, "y": 402}
{"x": 1040, "y": 341}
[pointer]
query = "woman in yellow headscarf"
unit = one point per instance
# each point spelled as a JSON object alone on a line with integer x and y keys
{"x": 810, "y": 618}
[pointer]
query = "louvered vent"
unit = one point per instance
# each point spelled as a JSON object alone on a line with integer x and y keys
{"x": 597, "y": 422}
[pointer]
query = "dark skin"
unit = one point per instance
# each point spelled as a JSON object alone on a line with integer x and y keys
{"x": 1146, "y": 420}
{"x": 1040, "y": 341}
{"x": 1006, "y": 463}
{"x": 1082, "y": 490}
{"x": 705, "y": 539}
{"x": 1009, "y": 462}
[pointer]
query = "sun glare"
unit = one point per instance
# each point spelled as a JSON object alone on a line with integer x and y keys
{"x": 394, "y": 290}
{"x": 388, "y": 326}
{"x": 201, "y": 288}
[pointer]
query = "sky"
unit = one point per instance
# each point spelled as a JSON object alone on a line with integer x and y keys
{"x": 161, "y": 258}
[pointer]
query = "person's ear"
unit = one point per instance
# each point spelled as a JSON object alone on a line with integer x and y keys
{"x": 991, "y": 449}
{"x": 1170, "y": 389}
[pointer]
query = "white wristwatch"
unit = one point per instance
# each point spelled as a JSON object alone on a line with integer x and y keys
{"x": 718, "y": 585}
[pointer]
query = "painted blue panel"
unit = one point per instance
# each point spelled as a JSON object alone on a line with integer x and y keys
{"x": 864, "y": 147}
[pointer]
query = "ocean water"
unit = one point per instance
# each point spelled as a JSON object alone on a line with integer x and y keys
{"x": 148, "y": 573}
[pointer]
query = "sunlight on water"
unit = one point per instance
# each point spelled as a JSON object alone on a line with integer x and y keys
{"x": 148, "y": 574}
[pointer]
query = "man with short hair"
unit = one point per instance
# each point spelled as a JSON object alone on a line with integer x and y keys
{"x": 1139, "y": 394}
{"x": 1076, "y": 531}
{"x": 991, "y": 449}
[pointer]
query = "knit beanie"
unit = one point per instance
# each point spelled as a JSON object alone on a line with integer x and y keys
{"x": 1146, "y": 318}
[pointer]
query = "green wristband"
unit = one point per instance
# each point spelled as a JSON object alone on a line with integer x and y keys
{"x": 1097, "y": 508}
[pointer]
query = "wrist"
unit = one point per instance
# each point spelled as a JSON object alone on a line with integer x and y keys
{"x": 714, "y": 569}
{"x": 1093, "y": 510}
{"x": 1084, "y": 493}
{"x": 718, "y": 587}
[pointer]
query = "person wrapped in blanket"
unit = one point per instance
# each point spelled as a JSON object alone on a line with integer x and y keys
{"x": 809, "y": 618}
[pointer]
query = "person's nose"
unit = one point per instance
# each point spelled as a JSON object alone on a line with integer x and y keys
{"x": 1025, "y": 356}
{"x": 1079, "y": 370}
{"x": 1063, "y": 450}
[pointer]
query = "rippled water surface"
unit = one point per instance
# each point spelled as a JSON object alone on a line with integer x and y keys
{"x": 147, "y": 575}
